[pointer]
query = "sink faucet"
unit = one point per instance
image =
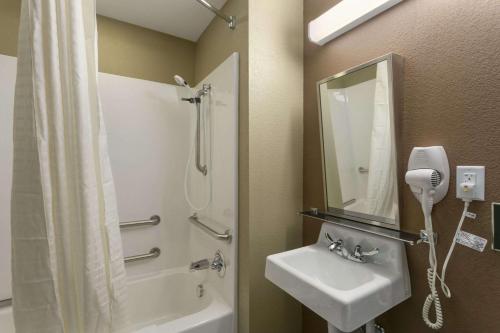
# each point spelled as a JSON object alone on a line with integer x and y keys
{"x": 358, "y": 255}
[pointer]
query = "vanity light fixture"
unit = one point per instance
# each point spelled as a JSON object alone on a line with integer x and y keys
{"x": 345, "y": 16}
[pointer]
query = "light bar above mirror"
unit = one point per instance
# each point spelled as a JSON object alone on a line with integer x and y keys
{"x": 345, "y": 16}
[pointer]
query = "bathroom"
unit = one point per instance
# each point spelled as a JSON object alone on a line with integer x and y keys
{"x": 218, "y": 164}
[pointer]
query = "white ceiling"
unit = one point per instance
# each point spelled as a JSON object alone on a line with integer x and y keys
{"x": 182, "y": 18}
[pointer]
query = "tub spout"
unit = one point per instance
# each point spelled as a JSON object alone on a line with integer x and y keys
{"x": 199, "y": 265}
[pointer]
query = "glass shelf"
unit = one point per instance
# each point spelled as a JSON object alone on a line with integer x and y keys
{"x": 402, "y": 236}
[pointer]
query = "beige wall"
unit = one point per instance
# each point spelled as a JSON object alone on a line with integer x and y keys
{"x": 129, "y": 50}
{"x": 9, "y": 22}
{"x": 275, "y": 154}
{"x": 124, "y": 49}
{"x": 218, "y": 42}
{"x": 451, "y": 98}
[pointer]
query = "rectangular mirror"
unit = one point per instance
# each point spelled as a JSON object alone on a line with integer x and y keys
{"x": 358, "y": 142}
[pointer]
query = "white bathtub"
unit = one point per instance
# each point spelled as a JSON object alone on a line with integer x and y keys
{"x": 166, "y": 302}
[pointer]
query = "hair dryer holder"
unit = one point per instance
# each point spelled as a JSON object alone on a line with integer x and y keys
{"x": 435, "y": 158}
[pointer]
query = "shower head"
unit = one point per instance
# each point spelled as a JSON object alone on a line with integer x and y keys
{"x": 180, "y": 81}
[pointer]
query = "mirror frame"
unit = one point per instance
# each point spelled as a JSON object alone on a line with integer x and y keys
{"x": 395, "y": 65}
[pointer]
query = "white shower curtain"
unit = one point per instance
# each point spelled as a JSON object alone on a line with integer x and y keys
{"x": 381, "y": 189}
{"x": 68, "y": 272}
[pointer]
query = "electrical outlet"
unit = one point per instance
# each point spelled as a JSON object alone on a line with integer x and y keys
{"x": 470, "y": 182}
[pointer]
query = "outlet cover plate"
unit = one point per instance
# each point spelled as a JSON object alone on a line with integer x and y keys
{"x": 478, "y": 171}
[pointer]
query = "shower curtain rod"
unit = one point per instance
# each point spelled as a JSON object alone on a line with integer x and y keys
{"x": 231, "y": 20}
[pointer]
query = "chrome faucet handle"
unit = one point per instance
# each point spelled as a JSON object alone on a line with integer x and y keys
{"x": 334, "y": 244}
{"x": 370, "y": 253}
{"x": 330, "y": 239}
{"x": 359, "y": 253}
{"x": 218, "y": 263}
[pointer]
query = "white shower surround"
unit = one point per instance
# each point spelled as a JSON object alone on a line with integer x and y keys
{"x": 149, "y": 133}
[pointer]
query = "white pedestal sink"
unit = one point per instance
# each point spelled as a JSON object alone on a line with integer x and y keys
{"x": 345, "y": 293}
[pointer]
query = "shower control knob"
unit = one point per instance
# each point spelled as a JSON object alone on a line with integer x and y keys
{"x": 219, "y": 264}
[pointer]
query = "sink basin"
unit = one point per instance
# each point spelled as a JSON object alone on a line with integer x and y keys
{"x": 345, "y": 293}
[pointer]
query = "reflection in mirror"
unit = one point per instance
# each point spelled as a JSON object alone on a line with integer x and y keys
{"x": 359, "y": 144}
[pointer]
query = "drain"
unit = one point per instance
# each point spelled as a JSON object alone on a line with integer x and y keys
{"x": 200, "y": 291}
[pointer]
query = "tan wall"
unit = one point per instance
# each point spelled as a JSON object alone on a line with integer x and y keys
{"x": 9, "y": 22}
{"x": 451, "y": 98}
{"x": 275, "y": 154}
{"x": 129, "y": 50}
{"x": 218, "y": 42}
{"x": 124, "y": 49}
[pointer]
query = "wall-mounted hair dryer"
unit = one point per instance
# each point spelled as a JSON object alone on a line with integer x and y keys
{"x": 423, "y": 184}
{"x": 428, "y": 168}
{"x": 429, "y": 176}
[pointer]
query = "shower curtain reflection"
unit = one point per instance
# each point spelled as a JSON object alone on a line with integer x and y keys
{"x": 381, "y": 189}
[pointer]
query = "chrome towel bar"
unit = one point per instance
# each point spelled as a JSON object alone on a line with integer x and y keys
{"x": 153, "y": 220}
{"x": 153, "y": 253}
{"x": 226, "y": 236}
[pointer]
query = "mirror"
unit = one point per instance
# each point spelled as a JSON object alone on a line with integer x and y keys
{"x": 358, "y": 142}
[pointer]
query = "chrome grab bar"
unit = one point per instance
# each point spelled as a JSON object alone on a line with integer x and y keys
{"x": 226, "y": 236}
{"x": 153, "y": 220}
{"x": 349, "y": 202}
{"x": 197, "y": 101}
{"x": 363, "y": 170}
{"x": 153, "y": 253}
{"x": 204, "y": 91}
{"x": 5, "y": 302}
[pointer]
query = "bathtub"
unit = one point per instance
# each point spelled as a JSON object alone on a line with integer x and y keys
{"x": 167, "y": 302}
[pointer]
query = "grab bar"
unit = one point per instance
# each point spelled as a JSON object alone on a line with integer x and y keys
{"x": 349, "y": 202}
{"x": 363, "y": 170}
{"x": 153, "y": 220}
{"x": 153, "y": 253}
{"x": 226, "y": 236}
{"x": 5, "y": 302}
